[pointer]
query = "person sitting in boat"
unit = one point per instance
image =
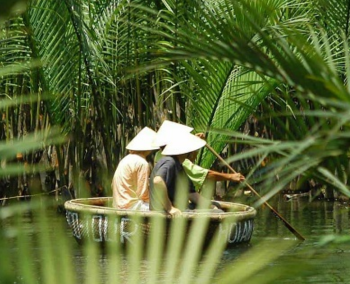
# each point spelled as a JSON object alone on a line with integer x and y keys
{"x": 202, "y": 178}
{"x": 170, "y": 188}
{"x": 130, "y": 182}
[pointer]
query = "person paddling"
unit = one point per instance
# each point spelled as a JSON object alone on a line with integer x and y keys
{"x": 170, "y": 188}
{"x": 202, "y": 178}
{"x": 130, "y": 182}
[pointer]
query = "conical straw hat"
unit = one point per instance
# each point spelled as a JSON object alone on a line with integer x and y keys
{"x": 169, "y": 130}
{"x": 183, "y": 143}
{"x": 143, "y": 141}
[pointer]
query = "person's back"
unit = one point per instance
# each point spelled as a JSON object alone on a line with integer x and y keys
{"x": 170, "y": 187}
{"x": 170, "y": 170}
{"x": 130, "y": 182}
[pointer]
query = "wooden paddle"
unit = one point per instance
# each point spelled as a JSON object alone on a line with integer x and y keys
{"x": 289, "y": 226}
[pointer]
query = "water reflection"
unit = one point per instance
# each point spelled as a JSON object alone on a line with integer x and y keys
{"x": 324, "y": 257}
{"x": 321, "y": 258}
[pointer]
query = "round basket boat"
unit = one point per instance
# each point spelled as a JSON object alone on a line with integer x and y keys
{"x": 94, "y": 219}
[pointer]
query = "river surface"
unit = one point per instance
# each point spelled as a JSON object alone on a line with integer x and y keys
{"x": 273, "y": 254}
{"x": 324, "y": 257}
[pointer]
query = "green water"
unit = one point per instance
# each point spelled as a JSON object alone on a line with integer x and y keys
{"x": 321, "y": 258}
{"x": 324, "y": 257}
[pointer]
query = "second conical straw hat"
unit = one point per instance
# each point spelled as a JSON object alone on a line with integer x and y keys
{"x": 183, "y": 143}
{"x": 168, "y": 131}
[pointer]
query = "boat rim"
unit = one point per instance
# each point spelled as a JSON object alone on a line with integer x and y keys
{"x": 81, "y": 205}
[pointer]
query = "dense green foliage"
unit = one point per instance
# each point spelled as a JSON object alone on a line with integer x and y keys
{"x": 101, "y": 70}
{"x": 267, "y": 80}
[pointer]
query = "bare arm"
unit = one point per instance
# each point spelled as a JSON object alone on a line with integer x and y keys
{"x": 160, "y": 190}
{"x": 218, "y": 176}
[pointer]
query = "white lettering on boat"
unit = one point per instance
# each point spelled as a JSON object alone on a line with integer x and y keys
{"x": 236, "y": 232}
{"x": 125, "y": 234}
{"x": 247, "y": 230}
{"x": 105, "y": 228}
{"x": 96, "y": 221}
{"x": 73, "y": 222}
{"x": 99, "y": 228}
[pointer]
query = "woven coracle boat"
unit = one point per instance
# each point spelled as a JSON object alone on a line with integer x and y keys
{"x": 94, "y": 219}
